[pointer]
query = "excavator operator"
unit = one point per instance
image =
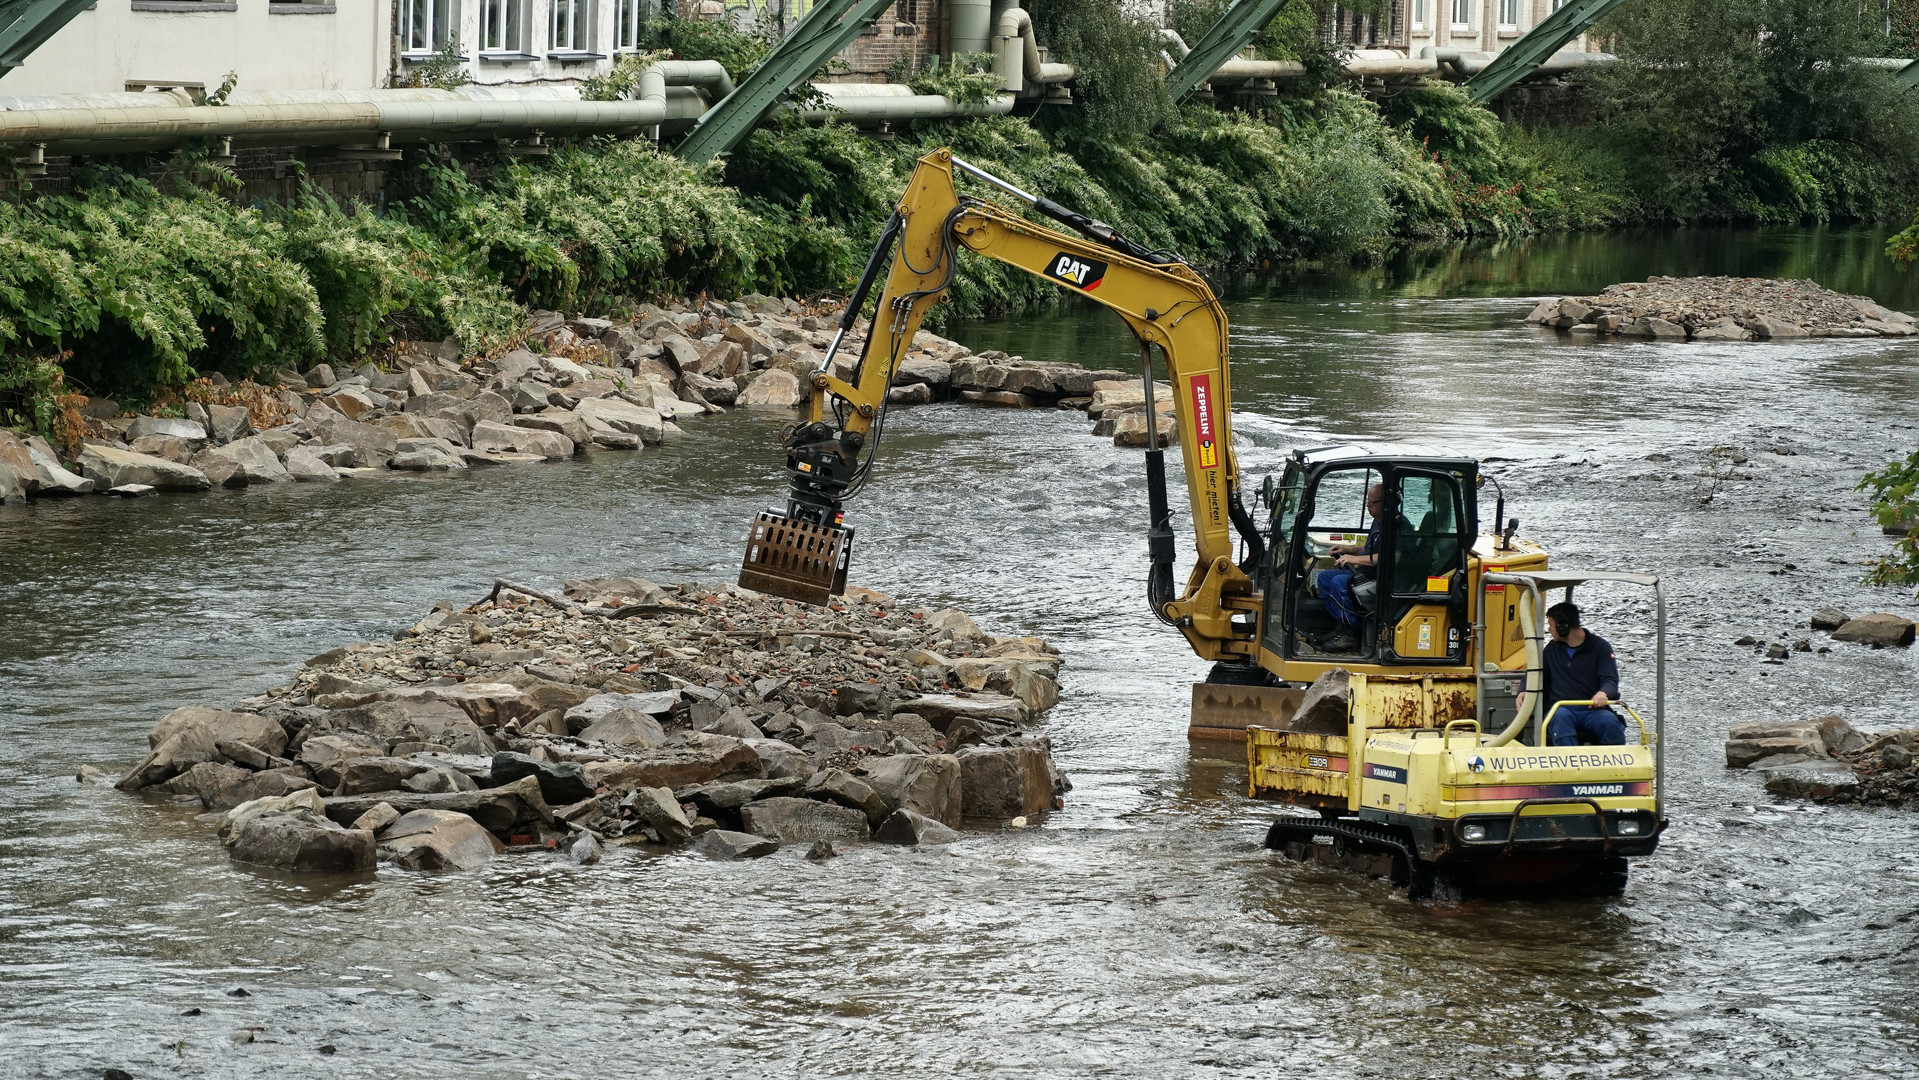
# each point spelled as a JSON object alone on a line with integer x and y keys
{"x": 1348, "y": 590}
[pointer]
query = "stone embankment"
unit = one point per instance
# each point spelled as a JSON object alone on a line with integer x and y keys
{"x": 1722, "y": 309}
{"x": 577, "y": 384}
{"x": 1826, "y": 760}
{"x": 619, "y": 713}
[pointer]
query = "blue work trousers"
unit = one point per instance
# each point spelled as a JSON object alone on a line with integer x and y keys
{"x": 1336, "y": 595}
{"x": 1576, "y": 725}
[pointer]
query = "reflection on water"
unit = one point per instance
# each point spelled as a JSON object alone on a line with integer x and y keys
{"x": 1140, "y": 932}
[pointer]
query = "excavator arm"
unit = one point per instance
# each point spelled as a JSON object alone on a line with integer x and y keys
{"x": 803, "y": 554}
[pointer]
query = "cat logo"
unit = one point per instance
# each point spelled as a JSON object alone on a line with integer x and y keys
{"x": 1083, "y": 274}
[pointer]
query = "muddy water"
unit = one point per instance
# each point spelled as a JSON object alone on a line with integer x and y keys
{"x": 1142, "y": 932}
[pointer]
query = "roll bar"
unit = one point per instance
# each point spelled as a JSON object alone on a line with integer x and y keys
{"x": 1540, "y": 580}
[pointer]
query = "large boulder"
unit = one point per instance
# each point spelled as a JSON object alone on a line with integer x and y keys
{"x": 790, "y": 820}
{"x": 222, "y": 787}
{"x": 375, "y": 443}
{"x": 327, "y": 756}
{"x": 941, "y": 710}
{"x": 1326, "y": 707}
{"x": 255, "y": 458}
{"x": 502, "y": 810}
{"x": 109, "y": 467}
{"x": 686, "y": 759}
{"x": 599, "y": 706}
{"x": 185, "y": 430}
{"x": 616, "y": 414}
{"x": 1829, "y": 619}
{"x": 772, "y": 389}
{"x": 725, "y": 799}
{"x": 54, "y": 478}
{"x": 185, "y": 737}
{"x": 840, "y": 786}
{"x": 657, "y": 807}
{"x": 1839, "y": 737}
{"x": 359, "y": 776}
{"x": 304, "y": 465}
{"x": 306, "y": 799}
{"x": 722, "y": 844}
{"x": 625, "y": 727}
{"x": 559, "y": 422}
{"x": 428, "y": 839}
{"x": 1879, "y": 630}
{"x": 302, "y": 842}
{"x": 561, "y": 783}
{"x": 906, "y": 827}
{"x": 492, "y": 437}
{"x": 1002, "y": 782}
{"x": 923, "y": 783}
{"x": 1759, "y": 741}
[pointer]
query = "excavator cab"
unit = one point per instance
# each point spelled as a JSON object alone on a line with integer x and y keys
{"x": 1418, "y": 510}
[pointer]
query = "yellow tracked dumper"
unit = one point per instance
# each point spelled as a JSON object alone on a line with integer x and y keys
{"x": 1432, "y": 765}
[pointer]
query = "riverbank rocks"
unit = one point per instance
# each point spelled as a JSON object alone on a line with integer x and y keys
{"x": 303, "y": 842}
{"x": 1722, "y": 309}
{"x": 1827, "y": 760}
{"x": 579, "y": 385}
{"x": 624, "y": 713}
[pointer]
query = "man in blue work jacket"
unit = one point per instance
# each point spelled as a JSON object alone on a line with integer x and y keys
{"x": 1580, "y": 666}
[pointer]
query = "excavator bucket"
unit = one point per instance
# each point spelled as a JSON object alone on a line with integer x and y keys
{"x": 797, "y": 560}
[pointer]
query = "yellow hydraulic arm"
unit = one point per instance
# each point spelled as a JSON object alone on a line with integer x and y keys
{"x": 1165, "y": 302}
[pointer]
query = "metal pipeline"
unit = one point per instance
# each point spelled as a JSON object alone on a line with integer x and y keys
{"x": 1016, "y": 54}
{"x": 883, "y": 102}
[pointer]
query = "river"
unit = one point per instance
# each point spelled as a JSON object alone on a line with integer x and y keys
{"x": 1140, "y": 932}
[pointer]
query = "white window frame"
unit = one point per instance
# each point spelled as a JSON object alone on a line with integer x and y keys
{"x": 1418, "y": 13}
{"x": 576, "y": 16}
{"x": 1462, "y": 8}
{"x": 628, "y": 17}
{"x": 1509, "y": 14}
{"x": 441, "y": 25}
{"x": 503, "y": 27}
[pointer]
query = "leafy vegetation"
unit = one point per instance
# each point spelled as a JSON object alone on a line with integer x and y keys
{"x": 1895, "y": 505}
{"x": 131, "y": 287}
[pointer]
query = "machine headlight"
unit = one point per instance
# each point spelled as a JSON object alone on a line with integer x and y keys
{"x": 1472, "y": 832}
{"x": 1627, "y": 828}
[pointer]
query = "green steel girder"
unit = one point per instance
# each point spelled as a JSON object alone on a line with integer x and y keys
{"x": 1535, "y": 46}
{"x": 830, "y": 27}
{"x": 1236, "y": 26}
{"x": 25, "y": 25}
{"x": 1907, "y": 77}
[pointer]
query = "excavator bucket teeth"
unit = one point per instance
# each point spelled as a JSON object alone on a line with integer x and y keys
{"x": 797, "y": 560}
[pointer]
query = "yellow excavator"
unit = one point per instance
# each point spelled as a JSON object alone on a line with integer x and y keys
{"x": 1413, "y": 748}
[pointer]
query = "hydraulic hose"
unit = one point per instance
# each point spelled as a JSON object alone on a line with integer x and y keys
{"x": 1159, "y": 534}
{"x": 1534, "y": 670}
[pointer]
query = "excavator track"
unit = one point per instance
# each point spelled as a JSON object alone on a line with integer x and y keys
{"x": 1408, "y": 869}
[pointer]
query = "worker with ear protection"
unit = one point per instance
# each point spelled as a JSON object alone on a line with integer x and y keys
{"x": 1581, "y": 666}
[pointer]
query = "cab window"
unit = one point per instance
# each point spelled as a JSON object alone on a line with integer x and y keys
{"x": 1426, "y": 537}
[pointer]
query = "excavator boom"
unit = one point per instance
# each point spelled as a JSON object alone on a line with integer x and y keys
{"x": 803, "y": 553}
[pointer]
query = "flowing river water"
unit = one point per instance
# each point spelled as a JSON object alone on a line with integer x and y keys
{"x": 1140, "y": 932}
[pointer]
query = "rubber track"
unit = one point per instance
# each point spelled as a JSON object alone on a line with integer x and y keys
{"x": 1305, "y": 828}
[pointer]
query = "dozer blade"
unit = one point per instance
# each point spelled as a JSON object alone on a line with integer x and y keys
{"x": 796, "y": 559}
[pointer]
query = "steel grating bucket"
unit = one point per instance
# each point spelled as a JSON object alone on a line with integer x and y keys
{"x": 796, "y": 559}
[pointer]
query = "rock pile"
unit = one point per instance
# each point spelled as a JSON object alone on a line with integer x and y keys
{"x": 1826, "y": 760}
{"x": 621, "y": 713}
{"x": 578, "y": 383}
{"x": 1722, "y": 309}
{"x": 1879, "y": 630}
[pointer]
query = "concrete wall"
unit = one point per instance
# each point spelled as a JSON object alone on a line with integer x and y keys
{"x": 272, "y": 46}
